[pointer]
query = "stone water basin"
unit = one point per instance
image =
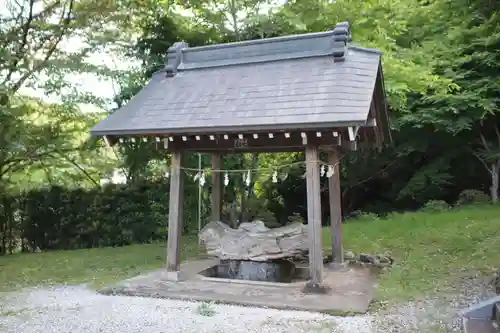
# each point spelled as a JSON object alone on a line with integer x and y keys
{"x": 277, "y": 271}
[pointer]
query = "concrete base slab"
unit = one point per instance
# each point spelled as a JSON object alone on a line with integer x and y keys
{"x": 349, "y": 291}
{"x": 478, "y": 326}
{"x": 479, "y": 317}
{"x": 175, "y": 276}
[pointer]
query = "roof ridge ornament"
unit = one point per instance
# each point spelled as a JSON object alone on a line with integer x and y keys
{"x": 174, "y": 58}
{"x": 341, "y": 36}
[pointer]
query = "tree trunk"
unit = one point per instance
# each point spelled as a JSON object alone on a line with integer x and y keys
{"x": 9, "y": 219}
{"x": 494, "y": 182}
{"x": 247, "y": 195}
{"x": 22, "y": 223}
{"x": 233, "y": 212}
{"x": 233, "y": 10}
{"x": 3, "y": 234}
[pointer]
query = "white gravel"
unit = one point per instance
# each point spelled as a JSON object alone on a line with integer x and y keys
{"x": 77, "y": 309}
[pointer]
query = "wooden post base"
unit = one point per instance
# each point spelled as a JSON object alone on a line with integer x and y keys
{"x": 335, "y": 209}
{"x": 314, "y": 216}
{"x": 175, "y": 214}
{"x": 316, "y": 288}
{"x": 175, "y": 276}
{"x": 338, "y": 266}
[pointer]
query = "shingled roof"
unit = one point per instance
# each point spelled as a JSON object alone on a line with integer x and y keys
{"x": 308, "y": 81}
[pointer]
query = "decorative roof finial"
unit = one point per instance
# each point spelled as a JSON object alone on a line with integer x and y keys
{"x": 174, "y": 58}
{"x": 170, "y": 71}
{"x": 341, "y": 36}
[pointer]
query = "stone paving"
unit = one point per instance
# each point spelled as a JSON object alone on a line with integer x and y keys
{"x": 351, "y": 290}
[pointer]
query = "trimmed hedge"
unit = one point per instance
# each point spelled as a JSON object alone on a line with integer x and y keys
{"x": 56, "y": 218}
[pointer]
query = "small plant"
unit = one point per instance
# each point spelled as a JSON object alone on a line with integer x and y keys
{"x": 435, "y": 206}
{"x": 162, "y": 232}
{"x": 325, "y": 328}
{"x": 295, "y": 218}
{"x": 361, "y": 216}
{"x": 206, "y": 309}
{"x": 354, "y": 214}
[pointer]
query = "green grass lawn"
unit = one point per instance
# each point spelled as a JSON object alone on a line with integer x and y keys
{"x": 432, "y": 251}
{"x": 99, "y": 266}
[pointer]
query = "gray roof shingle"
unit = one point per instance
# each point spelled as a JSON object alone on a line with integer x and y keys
{"x": 288, "y": 82}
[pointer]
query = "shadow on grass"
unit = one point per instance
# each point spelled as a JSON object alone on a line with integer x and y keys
{"x": 98, "y": 267}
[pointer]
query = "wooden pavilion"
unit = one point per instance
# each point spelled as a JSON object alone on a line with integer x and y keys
{"x": 312, "y": 92}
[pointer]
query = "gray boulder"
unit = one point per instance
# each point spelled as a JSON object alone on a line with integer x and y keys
{"x": 254, "y": 241}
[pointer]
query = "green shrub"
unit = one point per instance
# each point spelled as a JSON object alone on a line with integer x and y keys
{"x": 435, "y": 206}
{"x": 268, "y": 218}
{"x": 470, "y": 197}
{"x": 257, "y": 210}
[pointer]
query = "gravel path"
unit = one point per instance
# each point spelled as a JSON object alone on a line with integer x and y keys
{"x": 77, "y": 309}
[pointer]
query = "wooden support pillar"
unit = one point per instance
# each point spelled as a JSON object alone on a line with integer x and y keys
{"x": 314, "y": 220}
{"x": 175, "y": 217}
{"x": 216, "y": 187}
{"x": 335, "y": 198}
